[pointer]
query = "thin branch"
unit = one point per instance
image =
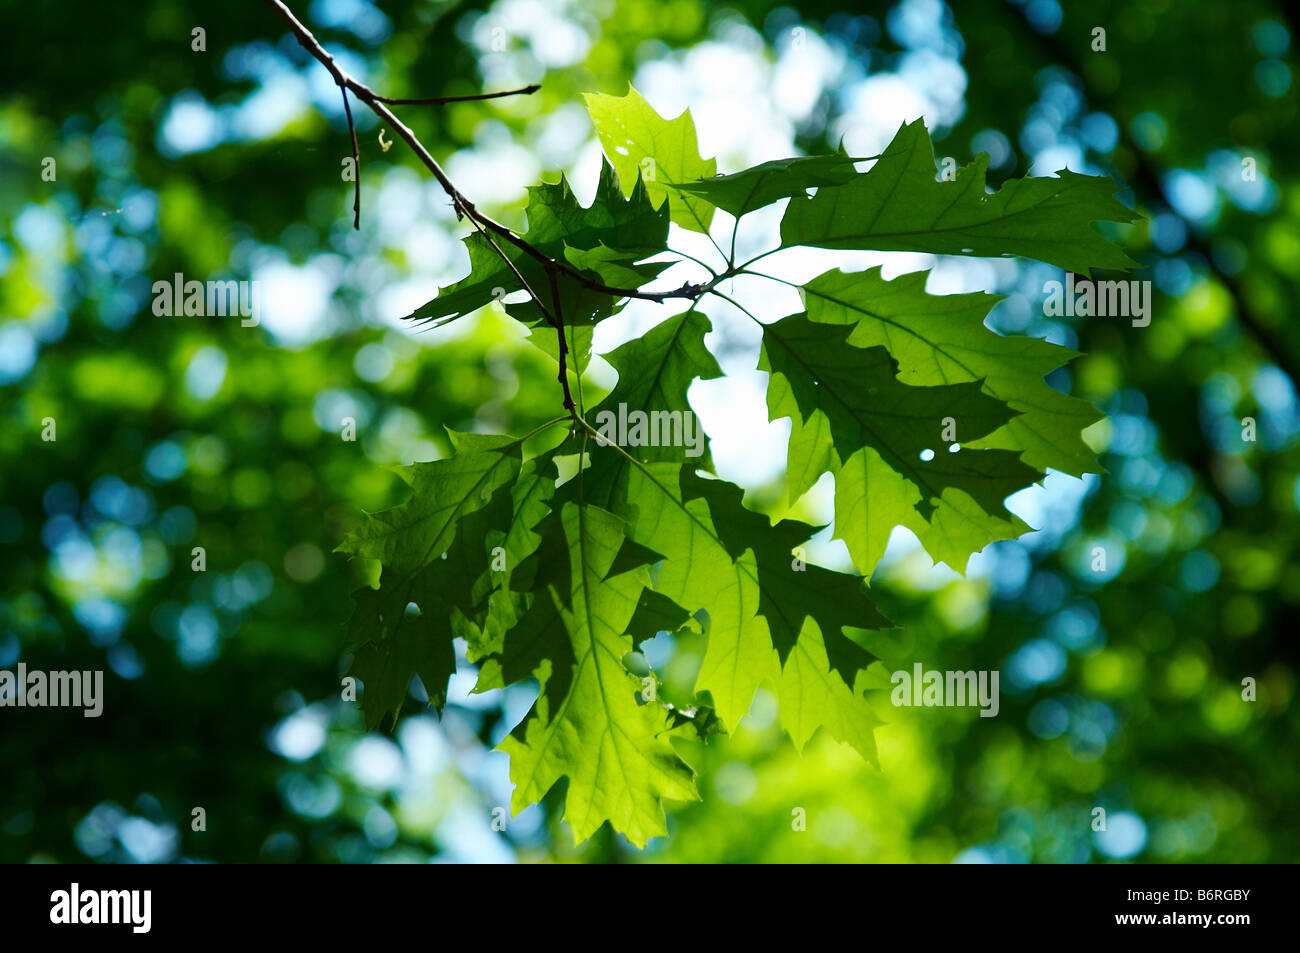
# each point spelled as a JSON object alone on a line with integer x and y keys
{"x": 703, "y": 264}
{"x": 557, "y": 319}
{"x": 356, "y": 161}
{"x": 510, "y": 263}
{"x": 444, "y": 100}
{"x": 770, "y": 251}
{"x": 577, "y": 374}
{"x": 740, "y": 307}
{"x": 463, "y": 206}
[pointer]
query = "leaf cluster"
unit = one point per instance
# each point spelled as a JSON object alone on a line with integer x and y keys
{"x": 556, "y": 564}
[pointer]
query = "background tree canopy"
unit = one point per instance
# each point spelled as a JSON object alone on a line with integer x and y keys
{"x": 1121, "y": 686}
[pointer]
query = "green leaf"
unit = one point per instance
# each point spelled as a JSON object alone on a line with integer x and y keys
{"x": 587, "y": 724}
{"x": 771, "y": 616}
{"x": 507, "y": 588}
{"x": 411, "y": 534}
{"x": 654, "y": 373}
{"x": 390, "y": 645}
{"x": 814, "y": 371}
{"x": 407, "y": 626}
{"x": 556, "y": 218}
{"x": 656, "y": 613}
{"x": 871, "y": 499}
{"x": 618, "y": 267}
{"x": 631, "y": 133}
{"x": 558, "y": 225}
{"x": 742, "y": 192}
{"x": 702, "y": 720}
{"x": 792, "y": 590}
{"x": 941, "y": 339}
{"x": 489, "y": 279}
{"x": 811, "y": 453}
{"x": 434, "y": 554}
{"x": 655, "y": 370}
{"x": 577, "y": 337}
{"x": 700, "y": 573}
{"x": 812, "y": 695}
{"x": 898, "y": 206}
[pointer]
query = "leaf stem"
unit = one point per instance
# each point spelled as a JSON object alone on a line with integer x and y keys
{"x": 697, "y": 261}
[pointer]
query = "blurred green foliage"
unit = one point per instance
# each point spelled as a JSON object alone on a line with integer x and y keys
{"x": 1120, "y": 690}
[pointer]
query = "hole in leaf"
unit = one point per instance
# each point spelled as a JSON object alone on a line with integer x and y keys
{"x": 927, "y": 454}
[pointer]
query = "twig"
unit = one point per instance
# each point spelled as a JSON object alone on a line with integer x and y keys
{"x": 444, "y": 100}
{"x": 463, "y": 206}
{"x": 356, "y": 161}
{"x": 557, "y": 319}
